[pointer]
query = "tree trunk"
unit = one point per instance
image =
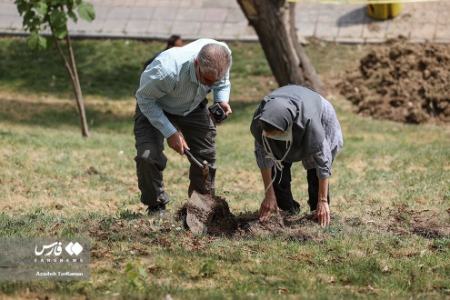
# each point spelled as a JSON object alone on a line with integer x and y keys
{"x": 274, "y": 23}
{"x": 77, "y": 89}
{"x": 73, "y": 74}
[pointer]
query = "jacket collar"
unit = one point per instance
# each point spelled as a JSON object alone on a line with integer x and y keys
{"x": 192, "y": 71}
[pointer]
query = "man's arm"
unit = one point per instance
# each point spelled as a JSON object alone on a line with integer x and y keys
{"x": 269, "y": 204}
{"x": 323, "y": 161}
{"x": 323, "y": 210}
{"x": 221, "y": 93}
{"x": 222, "y": 90}
{"x": 154, "y": 86}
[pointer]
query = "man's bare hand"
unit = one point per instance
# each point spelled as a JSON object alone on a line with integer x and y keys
{"x": 226, "y": 108}
{"x": 177, "y": 142}
{"x": 323, "y": 213}
{"x": 268, "y": 207}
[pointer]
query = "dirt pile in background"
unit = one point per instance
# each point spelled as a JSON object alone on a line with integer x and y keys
{"x": 402, "y": 82}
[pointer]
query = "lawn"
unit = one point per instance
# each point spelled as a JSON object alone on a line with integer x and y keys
{"x": 390, "y": 189}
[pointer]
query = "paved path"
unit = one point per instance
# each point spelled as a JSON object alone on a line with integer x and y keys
{"x": 224, "y": 20}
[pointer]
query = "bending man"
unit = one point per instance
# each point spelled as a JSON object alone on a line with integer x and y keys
{"x": 294, "y": 124}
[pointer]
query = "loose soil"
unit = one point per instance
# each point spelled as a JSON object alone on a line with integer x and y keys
{"x": 402, "y": 82}
{"x": 206, "y": 214}
{"x": 425, "y": 223}
{"x": 399, "y": 221}
{"x": 247, "y": 225}
{"x": 299, "y": 227}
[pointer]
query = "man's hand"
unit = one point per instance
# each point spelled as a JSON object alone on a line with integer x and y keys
{"x": 268, "y": 207}
{"x": 226, "y": 108}
{"x": 176, "y": 142}
{"x": 323, "y": 213}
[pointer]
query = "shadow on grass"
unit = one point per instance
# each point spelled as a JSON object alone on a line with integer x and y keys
{"x": 58, "y": 114}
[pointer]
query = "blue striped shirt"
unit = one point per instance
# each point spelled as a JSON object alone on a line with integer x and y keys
{"x": 169, "y": 84}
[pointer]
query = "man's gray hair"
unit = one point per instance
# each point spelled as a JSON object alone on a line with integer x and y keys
{"x": 214, "y": 59}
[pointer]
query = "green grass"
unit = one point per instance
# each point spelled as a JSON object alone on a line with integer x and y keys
{"x": 388, "y": 176}
{"x": 109, "y": 69}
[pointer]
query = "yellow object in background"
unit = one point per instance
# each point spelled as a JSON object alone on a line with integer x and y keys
{"x": 384, "y": 11}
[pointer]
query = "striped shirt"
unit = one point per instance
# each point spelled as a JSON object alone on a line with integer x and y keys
{"x": 331, "y": 145}
{"x": 169, "y": 84}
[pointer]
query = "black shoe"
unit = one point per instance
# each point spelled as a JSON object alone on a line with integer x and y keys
{"x": 293, "y": 209}
{"x": 160, "y": 205}
{"x": 163, "y": 199}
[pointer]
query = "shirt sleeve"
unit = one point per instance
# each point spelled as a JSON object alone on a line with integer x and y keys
{"x": 323, "y": 160}
{"x": 261, "y": 159}
{"x": 222, "y": 89}
{"x": 154, "y": 85}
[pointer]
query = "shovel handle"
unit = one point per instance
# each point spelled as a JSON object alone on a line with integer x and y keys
{"x": 193, "y": 159}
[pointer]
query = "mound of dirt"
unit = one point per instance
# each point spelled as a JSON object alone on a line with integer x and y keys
{"x": 206, "y": 214}
{"x": 403, "y": 82}
{"x": 298, "y": 228}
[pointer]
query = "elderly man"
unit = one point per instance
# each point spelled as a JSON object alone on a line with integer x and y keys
{"x": 293, "y": 124}
{"x": 171, "y": 105}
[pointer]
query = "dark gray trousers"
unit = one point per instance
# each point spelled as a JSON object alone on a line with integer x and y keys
{"x": 283, "y": 192}
{"x": 199, "y": 132}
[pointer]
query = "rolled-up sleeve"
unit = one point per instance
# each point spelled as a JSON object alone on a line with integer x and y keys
{"x": 323, "y": 160}
{"x": 155, "y": 85}
{"x": 222, "y": 91}
{"x": 261, "y": 159}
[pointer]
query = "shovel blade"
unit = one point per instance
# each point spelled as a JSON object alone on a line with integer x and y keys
{"x": 209, "y": 215}
{"x": 199, "y": 212}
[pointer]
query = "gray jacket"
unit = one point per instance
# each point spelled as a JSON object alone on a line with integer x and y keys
{"x": 317, "y": 136}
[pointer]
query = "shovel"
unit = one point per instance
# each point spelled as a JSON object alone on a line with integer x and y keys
{"x": 206, "y": 213}
{"x": 203, "y": 165}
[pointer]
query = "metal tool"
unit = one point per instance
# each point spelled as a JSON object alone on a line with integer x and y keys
{"x": 203, "y": 165}
{"x": 192, "y": 158}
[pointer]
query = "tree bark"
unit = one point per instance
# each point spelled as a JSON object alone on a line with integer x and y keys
{"x": 71, "y": 68}
{"x": 77, "y": 88}
{"x": 274, "y": 23}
